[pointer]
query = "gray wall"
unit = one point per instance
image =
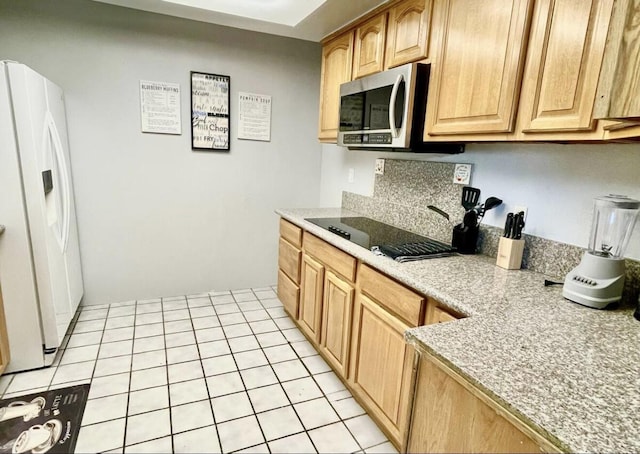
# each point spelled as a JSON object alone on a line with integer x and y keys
{"x": 154, "y": 217}
{"x": 557, "y": 183}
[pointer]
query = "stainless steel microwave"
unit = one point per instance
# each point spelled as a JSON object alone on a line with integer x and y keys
{"x": 387, "y": 111}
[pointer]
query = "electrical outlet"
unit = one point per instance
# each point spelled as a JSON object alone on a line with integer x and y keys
{"x": 519, "y": 208}
{"x": 379, "y": 168}
{"x": 351, "y": 176}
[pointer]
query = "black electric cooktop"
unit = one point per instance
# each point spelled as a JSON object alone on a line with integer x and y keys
{"x": 396, "y": 243}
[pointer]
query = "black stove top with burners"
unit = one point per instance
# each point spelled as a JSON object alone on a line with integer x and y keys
{"x": 396, "y": 243}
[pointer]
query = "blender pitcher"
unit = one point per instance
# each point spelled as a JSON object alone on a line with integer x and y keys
{"x": 599, "y": 278}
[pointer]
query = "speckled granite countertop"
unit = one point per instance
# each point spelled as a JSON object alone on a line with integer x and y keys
{"x": 570, "y": 372}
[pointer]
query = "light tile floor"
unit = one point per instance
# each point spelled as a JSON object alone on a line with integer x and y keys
{"x": 216, "y": 372}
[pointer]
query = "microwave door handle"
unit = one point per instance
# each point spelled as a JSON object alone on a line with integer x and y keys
{"x": 392, "y": 106}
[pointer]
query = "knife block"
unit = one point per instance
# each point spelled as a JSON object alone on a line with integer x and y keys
{"x": 510, "y": 253}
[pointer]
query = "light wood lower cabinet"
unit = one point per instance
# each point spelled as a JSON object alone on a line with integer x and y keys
{"x": 337, "y": 309}
{"x": 381, "y": 366}
{"x": 451, "y": 415}
{"x": 311, "y": 297}
{"x": 289, "y": 256}
{"x": 288, "y": 293}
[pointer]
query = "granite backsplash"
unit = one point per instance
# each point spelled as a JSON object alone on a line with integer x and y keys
{"x": 402, "y": 194}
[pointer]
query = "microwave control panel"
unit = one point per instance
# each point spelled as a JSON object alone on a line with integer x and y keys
{"x": 372, "y": 139}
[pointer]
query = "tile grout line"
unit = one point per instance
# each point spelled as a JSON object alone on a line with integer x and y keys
{"x": 255, "y": 414}
{"x": 295, "y": 411}
{"x": 166, "y": 367}
{"x": 126, "y": 414}
{"x": 204, "y": 374}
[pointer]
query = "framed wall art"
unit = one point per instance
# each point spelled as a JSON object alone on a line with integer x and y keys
{"x": 210, "y": 111}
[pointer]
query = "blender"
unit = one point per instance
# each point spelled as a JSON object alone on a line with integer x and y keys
{"x": 599, "y": 278}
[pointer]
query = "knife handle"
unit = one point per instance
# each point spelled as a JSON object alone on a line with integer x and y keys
{"x": 508, "y": 225}
{"x": 518, "y": 225}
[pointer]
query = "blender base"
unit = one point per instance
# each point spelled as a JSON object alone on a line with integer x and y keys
{"x": 596, "y": 282}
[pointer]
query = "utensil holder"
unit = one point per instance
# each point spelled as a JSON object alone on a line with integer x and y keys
{"x": 510, "y": 253}
{"x": 465, "y": 239}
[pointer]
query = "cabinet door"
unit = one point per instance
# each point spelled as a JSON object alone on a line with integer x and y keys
{"x": 563, "y": 64}
{"x": 369, "y": 47}
{"x": 477, "y": 67}
{"x": 408, "y": 32}
{"x": 337, "y": 308}
{"x": 381, "y": 365}
{"x": 619, "y": 85}
{"x": 311, "y": 297}
{"x": 337, "y": 57}
{"x": 288, "y": 294}
{"x": 289, "y": 260}
{"x": 449, "y": 417}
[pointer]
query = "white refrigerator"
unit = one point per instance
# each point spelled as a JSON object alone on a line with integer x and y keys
{"x": 40, "y": 274}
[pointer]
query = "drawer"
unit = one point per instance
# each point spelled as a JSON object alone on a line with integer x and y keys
{"x": 289, "y": 260}
{"x": 393, "y": 296}
{"x": 289, "y": 294}
{"x": 437, "y": 313}
{"x": 291, "y": 233}
{"x": 330, "y": 256}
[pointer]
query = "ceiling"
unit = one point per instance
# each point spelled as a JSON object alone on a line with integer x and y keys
{"x": 309, "y": 20}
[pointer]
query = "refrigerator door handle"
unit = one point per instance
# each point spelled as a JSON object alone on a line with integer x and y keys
{"x": 52, "y": 131}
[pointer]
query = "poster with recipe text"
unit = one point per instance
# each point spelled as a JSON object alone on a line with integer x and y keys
{"x": 210, "y": 111}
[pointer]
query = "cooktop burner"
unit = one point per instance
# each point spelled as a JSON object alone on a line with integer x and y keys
{"x": 396, "y": 243}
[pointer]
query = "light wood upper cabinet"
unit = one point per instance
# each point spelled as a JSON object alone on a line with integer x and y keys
{"x": 337, "y": 309}
{"x": 619, "y": 86}
{"x": 337, "y": 59}
{"x": 476, "y": 66}
{"x": 311, "y": 297}
{"x": 408, "y": 32}
{"x": 564, "y": 58}
{"x": 369, "y": 46}
{"x": 450, "y": 415}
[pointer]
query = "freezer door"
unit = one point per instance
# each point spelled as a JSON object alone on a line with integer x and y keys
{"x": 44, "y": 157}
{"x": 16, "y": 264}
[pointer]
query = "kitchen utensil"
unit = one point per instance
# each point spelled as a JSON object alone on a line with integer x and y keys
{"x": 518, "y": 225}
{"x": 489, "y": 204}
{"x": 470, "y": 197}
{"x": 439, "y": 211}
{"x": 470, "y": 219}
{"x": 508, "y": 226}
{"x": 599, "y": 278}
